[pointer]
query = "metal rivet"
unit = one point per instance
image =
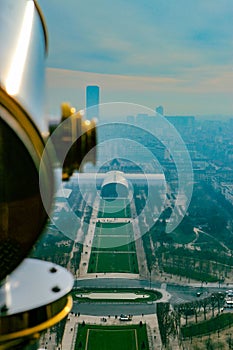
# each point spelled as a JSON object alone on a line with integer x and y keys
{"x": 53, "y": 270}
{"x": 56, "y": 289}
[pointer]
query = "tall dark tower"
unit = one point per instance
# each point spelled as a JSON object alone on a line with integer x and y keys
{"x": 159, "y": 110}
{"x": 92, "y": 99}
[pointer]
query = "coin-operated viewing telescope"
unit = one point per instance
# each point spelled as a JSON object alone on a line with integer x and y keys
{"x": 34, "y": 295}
{"x": 74, "y": 140}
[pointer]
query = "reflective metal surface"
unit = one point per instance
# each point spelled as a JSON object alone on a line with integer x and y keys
{"x": 33, "y": 298}
{"x": 21, "y": 211}
{"x": 22, "y": 125}
{"x": 22, "y": 53}
{"x": 45, "y": 281}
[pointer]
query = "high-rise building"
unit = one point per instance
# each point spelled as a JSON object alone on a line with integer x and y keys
{"x": 92, "y": 101}
{"x": 159, "y": 110}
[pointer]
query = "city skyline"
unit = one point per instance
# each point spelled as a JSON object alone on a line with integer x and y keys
{"x": 178, "y": 55}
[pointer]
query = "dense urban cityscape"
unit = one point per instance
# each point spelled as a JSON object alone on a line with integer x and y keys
{"x": 189, "y": 269}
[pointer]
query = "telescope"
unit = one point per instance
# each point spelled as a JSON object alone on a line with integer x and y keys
{"x": 34, "y": 294}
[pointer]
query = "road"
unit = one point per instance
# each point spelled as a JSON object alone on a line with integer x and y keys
{"x": 179, "y": 294}
{"x": 112, "y": 309}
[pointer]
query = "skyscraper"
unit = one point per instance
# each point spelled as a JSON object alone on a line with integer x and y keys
{"x": 92, "y": 100}
{"x": 159, "y": 110}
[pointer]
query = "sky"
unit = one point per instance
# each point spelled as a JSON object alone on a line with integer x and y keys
{"x": 175, "y": 53}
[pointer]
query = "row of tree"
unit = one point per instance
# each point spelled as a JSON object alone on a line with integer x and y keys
{"x": 198, "y": 309}
{"x": 170, "y": 320}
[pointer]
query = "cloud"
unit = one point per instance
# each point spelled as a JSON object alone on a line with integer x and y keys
{"x": 76, "y": 79}
{"x": 176, "y": 53}
{"x": 207, "y": 93}
{"x": 222, "y": 82}
{"x": 154, "y": 38}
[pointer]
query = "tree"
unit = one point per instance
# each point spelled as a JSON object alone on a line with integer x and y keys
{"x": 177, "y": 317}
{"x": 204, "y": 303}
{"x": 166, "y": 322}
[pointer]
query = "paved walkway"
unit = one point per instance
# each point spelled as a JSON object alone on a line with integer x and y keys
{"x": 48, "y": 340}
{"x": 110, "y": 275}
{"x": 141, "y": 256}
{"x": 85, "y": 256}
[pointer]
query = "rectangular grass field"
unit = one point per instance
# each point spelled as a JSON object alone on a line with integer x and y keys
{"x": 122, "y": 337}
{"x": 113, "y": 246}
{"x": 113, "y": 243}
{"x": 124, "y": 229}
{"x": 119, "y": 208}
{"x": 109, "y": 262}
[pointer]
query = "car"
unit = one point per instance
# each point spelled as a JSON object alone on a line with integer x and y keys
{"x": 229, "y": 293}
{"x": 125, "y": 318}
{"x": 228, "y": 304}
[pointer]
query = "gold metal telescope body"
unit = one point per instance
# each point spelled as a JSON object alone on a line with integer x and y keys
{"x": 23, "y": 47}
{"x": 34, "y": 295}
{"x": 74, "y": 140}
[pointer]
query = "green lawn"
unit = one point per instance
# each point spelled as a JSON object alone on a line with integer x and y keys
{"x": 111, "y": 225}
{"x": 113, "y": 229}
{"x": 115, "y": 213}
{"x": 92, "y": 337}
{"x": 113, "y": 248}
{"x": 124, "y": 339}
{"x": 117, "y": 202}
{"x": 113, "y": 262}
{"x": 118, "y": 208}
{"x": 181, "y": 237}
{"x": 113, "y": 243}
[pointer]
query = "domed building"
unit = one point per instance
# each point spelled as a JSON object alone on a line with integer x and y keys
{"x": 115, "y": 185}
